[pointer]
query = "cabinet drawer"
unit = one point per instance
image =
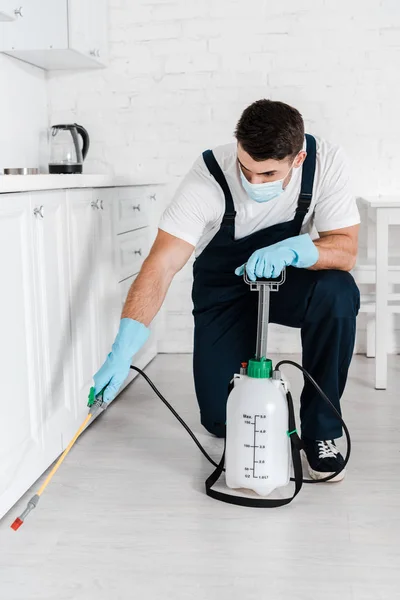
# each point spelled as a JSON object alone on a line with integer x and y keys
{"x": 132, "y": 249}
{"x": 132, "y": 208}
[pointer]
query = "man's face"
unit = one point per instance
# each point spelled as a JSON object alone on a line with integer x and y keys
{"x": 267, "y": 170}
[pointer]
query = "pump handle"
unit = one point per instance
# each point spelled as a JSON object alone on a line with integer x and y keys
{"x": 273, "y": 284}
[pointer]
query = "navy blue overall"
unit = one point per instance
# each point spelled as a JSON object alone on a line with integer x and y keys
{"x": 324, "y": 304}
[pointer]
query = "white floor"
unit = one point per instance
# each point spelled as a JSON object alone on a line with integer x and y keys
{"x": 126, "y": 517}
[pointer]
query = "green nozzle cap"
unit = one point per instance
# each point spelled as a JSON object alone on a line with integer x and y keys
{"x": 91, "y": 397}
{"x": 260, "y": 368}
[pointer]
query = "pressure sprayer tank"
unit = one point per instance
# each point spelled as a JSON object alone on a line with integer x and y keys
{"x": 257, "y": 442}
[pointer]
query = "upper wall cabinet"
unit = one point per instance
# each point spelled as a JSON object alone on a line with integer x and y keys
{"x": 56, "y": 34}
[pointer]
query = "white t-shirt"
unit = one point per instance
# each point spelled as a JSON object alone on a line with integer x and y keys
{"x": 196, "y": 211}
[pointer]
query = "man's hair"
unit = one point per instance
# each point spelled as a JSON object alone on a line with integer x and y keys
{"x": 269, "y": 129}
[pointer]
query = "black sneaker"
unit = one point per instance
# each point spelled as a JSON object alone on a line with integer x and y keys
{"x": 324, "y": 459}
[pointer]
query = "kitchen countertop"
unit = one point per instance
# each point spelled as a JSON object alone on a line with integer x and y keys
{"x": 28, "y": 183}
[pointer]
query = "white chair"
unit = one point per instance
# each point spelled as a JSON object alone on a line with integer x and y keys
{"x": 380, "y": 270}
{"x": 365, "y": 274}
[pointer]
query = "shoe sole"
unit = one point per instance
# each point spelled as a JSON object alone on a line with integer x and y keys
{"x": 318, "y": 475}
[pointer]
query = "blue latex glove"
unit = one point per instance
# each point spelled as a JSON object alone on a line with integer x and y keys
{"x": 269, "y": 262}
{"x": 131, "y": 337}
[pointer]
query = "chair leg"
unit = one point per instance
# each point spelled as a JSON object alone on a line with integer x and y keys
{"x": 381, "y": 295}
{"x": 371, "y": 337}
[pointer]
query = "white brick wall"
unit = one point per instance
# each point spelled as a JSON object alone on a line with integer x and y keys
{"x": 182, "y": 71}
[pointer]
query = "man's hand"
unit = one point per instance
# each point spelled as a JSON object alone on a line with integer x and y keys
{"x": 131, "y": 337}
{"x": 269, "y": 262}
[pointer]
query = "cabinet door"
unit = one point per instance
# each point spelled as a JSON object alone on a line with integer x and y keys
{"x": 41, "y": 25}
{"x": 83, "y": 223}
{"x": 88, "y": 27}
{"x": 109, "y": 309}
{"x": 22, "y": 457}
{"x": 55, "y": 350}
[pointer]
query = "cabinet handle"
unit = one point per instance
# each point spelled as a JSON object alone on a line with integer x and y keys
{"x": 101, "y": 205}
{"x": 136, "y": 207}
{"x": 38, "y": 212}
{"x": 153, "y": 197}
{"x": 95, "y": 204}
{"x": 97, "y": 53}
{"x": 138, "y": 252}
{"x": 18, "y": 12}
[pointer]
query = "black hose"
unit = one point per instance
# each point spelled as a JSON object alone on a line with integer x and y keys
{"x": 334, "y": 410}
{"x": 171, "y": 408}
{"x": 282, "y": 362}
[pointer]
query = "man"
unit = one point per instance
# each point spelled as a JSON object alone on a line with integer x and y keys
{"x": 253, "y": 204}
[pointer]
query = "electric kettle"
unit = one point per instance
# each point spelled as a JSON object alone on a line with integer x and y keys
{"x": 66, "y": 154}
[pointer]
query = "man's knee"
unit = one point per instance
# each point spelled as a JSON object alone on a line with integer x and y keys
{"x": 336, "y": 294}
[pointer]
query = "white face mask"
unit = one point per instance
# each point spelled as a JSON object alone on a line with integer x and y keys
{"x": 263, "y": 192}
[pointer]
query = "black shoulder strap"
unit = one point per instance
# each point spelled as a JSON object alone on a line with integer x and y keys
{"x": 296, "y": 446}
{"x": 307, "y": 181}
{"x": 216, "y": 172}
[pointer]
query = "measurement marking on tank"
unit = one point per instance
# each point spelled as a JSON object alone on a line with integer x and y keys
{"x": 254, "y": 449}
{"x": 257, "y": 431}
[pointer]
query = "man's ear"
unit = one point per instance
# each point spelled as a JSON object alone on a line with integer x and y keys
{"x": 300, "y": 158}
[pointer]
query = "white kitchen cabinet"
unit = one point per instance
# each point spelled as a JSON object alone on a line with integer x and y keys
{"x": 132, "y": 217}
{"x": 39, "y": 415}
{"x": 83, "y": 227}
{"x": 57, "y": 34}
{"x": 60, "y": 307}
{"x": 88, "y": 28}
{"x": 108, "y": 298}
{"x": 22, "y": 450}
{"x": 52, "y": 278}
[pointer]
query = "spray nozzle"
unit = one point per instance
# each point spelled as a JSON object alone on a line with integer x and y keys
{"x": 91, "y": 397}
{"x": 96, "y": 402}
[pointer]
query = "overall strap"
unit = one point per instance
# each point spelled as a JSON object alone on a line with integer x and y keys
{"x": 307, "y": 181}
{"x": 216, "y": 172}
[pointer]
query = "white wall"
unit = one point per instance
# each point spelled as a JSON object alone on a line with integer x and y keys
{"x": 182, "y": 72}
{"x": 23, "y": 114}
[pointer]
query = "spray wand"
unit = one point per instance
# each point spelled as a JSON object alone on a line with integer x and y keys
{"x": 96, "y": 405}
